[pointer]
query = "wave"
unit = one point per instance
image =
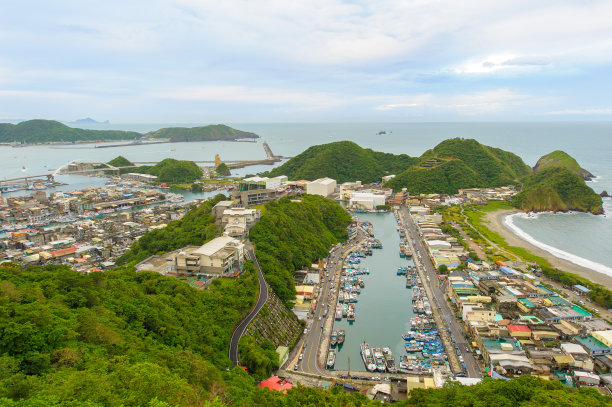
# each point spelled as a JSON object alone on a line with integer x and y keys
{"x": 562, "y": 254}
{"x": 596, "y": 179}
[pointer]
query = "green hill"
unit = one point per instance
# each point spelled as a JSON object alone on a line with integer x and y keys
{"x": 460, "y": 163}
{"x": 343, "y": 161}
{"x": 45, "y": 131}
{"x": 171, "y": 171}
{"x": 204, "y": 133}
{"x": 292, "y": 235}
{"x": 557, "y": 189}
{"x": 560, "y": 158}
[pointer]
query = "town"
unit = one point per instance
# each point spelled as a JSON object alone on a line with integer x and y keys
{"x": 473, "y": 315}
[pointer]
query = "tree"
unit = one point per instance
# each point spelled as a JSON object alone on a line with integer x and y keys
{"x": 443, "y": 269}
{"x": 223, "y": 169}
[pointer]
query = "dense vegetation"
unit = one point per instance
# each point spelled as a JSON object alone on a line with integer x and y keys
{"x": 45, "y": 131}
{"x": 204, "y": 133}
{"x": 460, "y": 163}
{"x": 292, "y": 235}
{"x": 195, "y": 228}
{"x": 557, "y": 189}
{"x": 560, "y": 158}
{"x": 120, "y": 161}
{"x": 172, "y": 171}
{"x": 114, "y": 338}
{"x": 343, "y": 161}
{"x": 223, "y": 169}
{"x": 524, "y": 391}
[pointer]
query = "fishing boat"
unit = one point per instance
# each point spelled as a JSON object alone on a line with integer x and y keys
{"x": 380, "y": 359}
{"x": 333, "y": 338}
{"x": 368, "y": 359}
{"x": 338, "y": 311}
{"x": 331, "y": 359}
{"x": 344, "y": 310}
{"x": 389, "y": 360}
{"x": 341, "y": 335}
{"x": 413, "y": 346}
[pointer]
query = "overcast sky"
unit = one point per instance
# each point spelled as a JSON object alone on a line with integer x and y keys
{"x": 305, "y": 61}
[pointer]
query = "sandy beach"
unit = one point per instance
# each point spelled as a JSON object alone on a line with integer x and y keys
{"x": 494, "y": 221}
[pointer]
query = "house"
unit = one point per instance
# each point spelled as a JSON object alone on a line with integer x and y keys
{"x": 276, "y": 383}
{"x": 219, "y": 256}
{"x": 238, "y": 221}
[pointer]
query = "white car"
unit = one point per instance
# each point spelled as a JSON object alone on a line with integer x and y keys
{"x": 301, "y": 356}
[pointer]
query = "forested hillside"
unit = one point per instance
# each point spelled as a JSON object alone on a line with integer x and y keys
{"x": 557, "y": 189}
{"x": 45, "y": 131}
{"x": 461, "y": 163}
{"x": 343, "y": 161}
{"x": 203, "y": 133}
{"x": 195, "y": 228}
{"x": 293, "y": 233}
{"x": 560, "y": 158}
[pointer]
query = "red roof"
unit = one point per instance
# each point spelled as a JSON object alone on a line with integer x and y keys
{"x": 501, "y": 263}
{"x": 63, "y": 252}
{"x": 275, "y": 383}
{"x": 518, "y": 328}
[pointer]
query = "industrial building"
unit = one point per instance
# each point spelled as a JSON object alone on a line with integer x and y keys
{"x": 322, "y": 186}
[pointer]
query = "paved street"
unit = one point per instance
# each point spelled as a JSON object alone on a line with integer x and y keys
{"x": 261, "y": 300}
{"x": 319, "y": 325}
{"x": 456, "y": 330}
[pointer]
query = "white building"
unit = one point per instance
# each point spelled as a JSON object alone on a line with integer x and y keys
{"x": 238, "y": 221}
{"x": 267, "y": 183}
{"x": 219, "y": 256}
{"x": 366, "y": 200}
{"x": 322, "y": 186}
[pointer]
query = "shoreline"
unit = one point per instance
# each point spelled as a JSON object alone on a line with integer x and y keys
{"x": 495, "y": 222}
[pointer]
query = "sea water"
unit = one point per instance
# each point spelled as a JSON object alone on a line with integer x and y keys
{"x": 587, "y": 237}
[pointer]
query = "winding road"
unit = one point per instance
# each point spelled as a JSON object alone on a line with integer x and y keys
{"x": 262, "y": 298}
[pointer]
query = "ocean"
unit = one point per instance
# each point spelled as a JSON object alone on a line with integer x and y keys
{"x": 581, "y": 238}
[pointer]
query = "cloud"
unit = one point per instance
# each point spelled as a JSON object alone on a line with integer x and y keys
{"x": 583, "y": 112}
{"x": 502, "y": 62}
{"x": 490, "y": 101}
{"x": 248, "y": 95}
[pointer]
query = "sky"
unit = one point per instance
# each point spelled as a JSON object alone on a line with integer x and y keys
{"x": 200, "y": 61}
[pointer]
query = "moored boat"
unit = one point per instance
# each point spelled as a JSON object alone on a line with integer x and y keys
{"x": 341, "y": 334}
{"x": 331, "y": 359}
{"x": 333, "y": 338}
{"x": 368, "y": 359}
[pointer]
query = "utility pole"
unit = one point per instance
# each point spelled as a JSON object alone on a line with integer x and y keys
{"x": 349, "y": 369}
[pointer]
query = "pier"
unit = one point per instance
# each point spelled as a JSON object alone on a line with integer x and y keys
{"x": 82, "y": 167}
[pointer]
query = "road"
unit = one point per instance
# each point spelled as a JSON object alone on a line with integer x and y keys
{"x": 318, "y": 327}
{"x": 262, "y": 298}
{"x": 456, "y": 330}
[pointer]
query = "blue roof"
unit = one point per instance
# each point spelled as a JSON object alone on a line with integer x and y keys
{"x": 582, "y": 288}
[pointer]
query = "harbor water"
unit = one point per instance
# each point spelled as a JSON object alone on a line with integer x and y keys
{"x": 384, "y": 307}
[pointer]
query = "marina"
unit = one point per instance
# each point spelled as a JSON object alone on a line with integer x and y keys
{"x": 379, "y": 294}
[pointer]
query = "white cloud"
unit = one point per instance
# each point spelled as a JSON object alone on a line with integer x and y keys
{"x": 243, "y": 94}
{"x": 491, "y": 101}
{"x": 583, "y": 112}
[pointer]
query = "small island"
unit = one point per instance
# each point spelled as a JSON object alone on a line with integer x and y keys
{"x": 51, "y": 131}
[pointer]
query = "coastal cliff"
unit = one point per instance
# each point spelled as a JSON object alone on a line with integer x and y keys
{"x": 557, "y": 189}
